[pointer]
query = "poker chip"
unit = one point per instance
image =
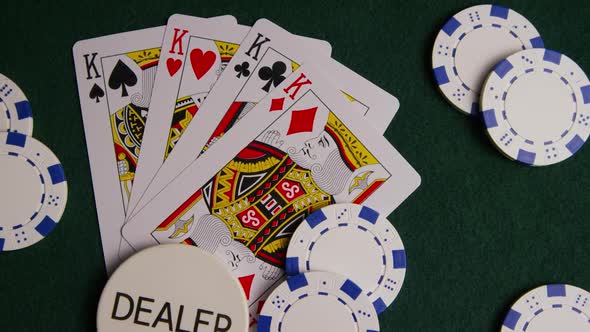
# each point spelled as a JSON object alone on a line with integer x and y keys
{"x": 354, "y": 241}
{"x": 554, "y": 307}
{"x": 33, "y": 194}
{"x": 471, "y": 43}
{"x": 535, "y": 105}
{"x": 172, "y": 287}
{"x": 15, "y": 109}
{"x": 317, "y": 301}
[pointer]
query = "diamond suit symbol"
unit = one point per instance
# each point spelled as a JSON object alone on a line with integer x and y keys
{"x": 277, "y": 104}
{"x": 302, "y": 121}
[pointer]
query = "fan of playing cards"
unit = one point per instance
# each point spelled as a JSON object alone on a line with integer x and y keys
{"x": 226, "y": 137}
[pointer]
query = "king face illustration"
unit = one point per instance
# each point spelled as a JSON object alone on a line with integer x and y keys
{"x": 264, "y": 192}
{"x": 247, "y": 212}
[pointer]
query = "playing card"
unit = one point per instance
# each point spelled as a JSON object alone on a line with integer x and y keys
{"x": 115, "y": 77}
{"x": 195, "y": 53}
{"x": 298, "y": 150}
{"x": 269, "y": 54}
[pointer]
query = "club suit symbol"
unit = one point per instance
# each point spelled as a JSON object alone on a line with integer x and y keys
{"x": 242, "y": 69}
{"x": 273, "y": 75}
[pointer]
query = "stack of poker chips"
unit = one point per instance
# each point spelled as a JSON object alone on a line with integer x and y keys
{"x": 489, "y": 60}
{"x": 346, "y": 252}
{"x": 33, "y": 187}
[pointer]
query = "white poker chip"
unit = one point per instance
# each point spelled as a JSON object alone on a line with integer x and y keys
{"x": 317, "y": 301}
{"x": 172, "y": 287}
{"x": 536, "y": 107}
{"x": 354, "y": 241}
{"x": 33, "y": 191}
{"x": 15, "y": 109}
{"x": 548, "y": 308}
{"x": 471, "y": 43}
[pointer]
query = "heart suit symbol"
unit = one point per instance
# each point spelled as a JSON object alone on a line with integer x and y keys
{"x": 202, "y": 62}
{"x": 173, "y": 66}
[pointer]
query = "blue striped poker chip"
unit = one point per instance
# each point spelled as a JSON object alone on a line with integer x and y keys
{"x": 468, "y": 46}
{"x": 354, "y": 241}
{"x": 317, "y": 301}
{"x": 33, "y": 194}
{"x": 555, "y": 307}
{"x": 15, "y": 110}
{"x": 536, "y": 107}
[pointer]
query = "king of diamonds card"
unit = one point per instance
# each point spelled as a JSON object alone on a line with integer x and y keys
{"x": 297, "y": 152}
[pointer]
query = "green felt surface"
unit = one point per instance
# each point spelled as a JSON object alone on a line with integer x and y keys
{"x": 480, "y": 231}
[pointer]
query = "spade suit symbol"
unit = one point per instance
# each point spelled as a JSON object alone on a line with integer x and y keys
{"x": 122, "y": 77}
{"x": 96, "y": 93}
